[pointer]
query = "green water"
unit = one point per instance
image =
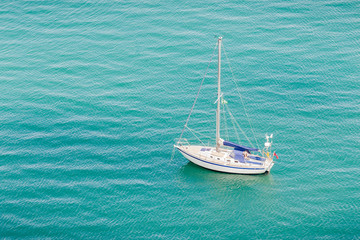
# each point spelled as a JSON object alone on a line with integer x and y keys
{"x": 93, "y": 94}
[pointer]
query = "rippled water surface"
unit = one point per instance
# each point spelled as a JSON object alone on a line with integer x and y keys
{"x": 93, "y": 94}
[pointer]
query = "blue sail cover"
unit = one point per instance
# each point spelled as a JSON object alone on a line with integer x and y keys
{"x": 239, "y": 147}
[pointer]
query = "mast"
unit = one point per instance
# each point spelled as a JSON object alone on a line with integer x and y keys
{"x": 218, "y": 100}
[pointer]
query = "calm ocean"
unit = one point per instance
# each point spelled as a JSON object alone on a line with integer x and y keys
{"x": 93, "y": 94}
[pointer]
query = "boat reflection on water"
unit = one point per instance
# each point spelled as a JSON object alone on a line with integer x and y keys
{"x": 245, "y": 199}
{"x": 214, "y": 190}
{"x": 191, "y": 173}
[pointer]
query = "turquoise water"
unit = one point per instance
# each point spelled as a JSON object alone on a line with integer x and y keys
{"x": 93, "y": 94}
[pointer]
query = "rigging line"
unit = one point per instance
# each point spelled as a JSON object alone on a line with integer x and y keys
{"x": 173, "y": 154}
{"x": 242, "y": 101}
{"x": 196, "y": 136}
{"x": 238, "y": 125}
{"x": 197, "y": 95}
{"x": 232, "y": 121}
{"x": 199, "y": 133}
{"x": 225, "y": 122}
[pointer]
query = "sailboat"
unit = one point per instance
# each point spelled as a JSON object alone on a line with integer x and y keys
{"x": 225, "y": 156}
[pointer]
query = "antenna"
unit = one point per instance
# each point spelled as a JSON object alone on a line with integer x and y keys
{"x": 268, "y": 143}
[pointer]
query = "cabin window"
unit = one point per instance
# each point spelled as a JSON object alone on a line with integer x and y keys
{"x": 218, "y": 158}
{"x": 236, "y": 161}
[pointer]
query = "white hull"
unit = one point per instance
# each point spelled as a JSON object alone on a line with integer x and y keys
{"x": 222, "y": 166}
